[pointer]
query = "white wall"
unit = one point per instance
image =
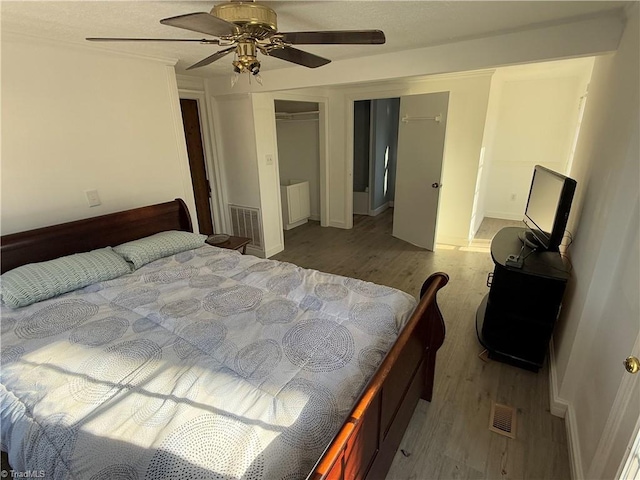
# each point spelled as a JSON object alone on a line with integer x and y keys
{"x": 233, "y": 121}
{"x": 299, "y": 155}
{"x": 533, "y": 121}
{"x": 76, "y": 119}
{"x": 587, "y": 366}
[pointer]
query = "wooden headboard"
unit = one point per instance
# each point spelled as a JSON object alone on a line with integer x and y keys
{"x": 47, "y": 243}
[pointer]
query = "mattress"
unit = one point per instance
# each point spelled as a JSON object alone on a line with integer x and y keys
{"x": 205, "y": 364}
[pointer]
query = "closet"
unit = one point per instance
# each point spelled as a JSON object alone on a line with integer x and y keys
{"x": 297, "y": 130}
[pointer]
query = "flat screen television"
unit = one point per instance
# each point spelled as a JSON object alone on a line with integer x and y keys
{"x": 548, "y": 208}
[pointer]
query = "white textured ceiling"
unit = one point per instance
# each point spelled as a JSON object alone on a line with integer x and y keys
{"x": 407, "y": 24}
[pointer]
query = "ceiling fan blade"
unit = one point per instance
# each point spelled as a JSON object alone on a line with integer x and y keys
{"x": 366, "y": 37}
{"x": 211, "y": 58}
{"x": 124, "y": 39}
{"x": 202, "y": 22}
{"x": 300, "y": 57}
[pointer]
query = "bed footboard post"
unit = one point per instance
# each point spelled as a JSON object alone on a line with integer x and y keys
{"x": 435, "y": 330}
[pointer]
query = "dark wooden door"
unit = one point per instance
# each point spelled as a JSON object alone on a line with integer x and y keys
{"x": 201, "y": 187}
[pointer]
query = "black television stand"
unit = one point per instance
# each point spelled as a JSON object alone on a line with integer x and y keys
{"x": 515, "y": 320}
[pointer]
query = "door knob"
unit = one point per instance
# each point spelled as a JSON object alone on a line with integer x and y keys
{"x": 436, "y": 185}
{"x": 632, "y": 364}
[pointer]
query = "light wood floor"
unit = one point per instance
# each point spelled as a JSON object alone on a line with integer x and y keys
{"x": 449, "y": 437}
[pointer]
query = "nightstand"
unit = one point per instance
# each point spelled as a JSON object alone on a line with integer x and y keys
{"x": 233, "y": 243}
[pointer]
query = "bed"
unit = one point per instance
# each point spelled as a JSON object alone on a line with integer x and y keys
{"x": 169, "y": 371}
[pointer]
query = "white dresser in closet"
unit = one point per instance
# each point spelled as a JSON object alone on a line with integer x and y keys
{"x": 296, "y": 208}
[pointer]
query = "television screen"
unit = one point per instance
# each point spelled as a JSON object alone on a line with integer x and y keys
{"x": 548, "y": 207}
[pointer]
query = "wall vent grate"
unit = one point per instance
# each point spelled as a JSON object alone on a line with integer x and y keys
{"x": 245, "y": 222}
{"x": 503, "y": 420}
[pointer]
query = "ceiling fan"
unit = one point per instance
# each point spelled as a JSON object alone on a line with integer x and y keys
{"x": 246, "y": 28}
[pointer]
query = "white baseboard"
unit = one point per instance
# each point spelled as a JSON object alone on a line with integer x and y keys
{"x": 379, "y": 210}
{"x": 559, "y": 407}
{"x": 289, "y": 226}
{"x": 337, "y": 224}
{"x": 573, "y": 443}
{"x": 504, "y": 215}
{"x": 314, "y": 217}
{"x": 256, "y": 252}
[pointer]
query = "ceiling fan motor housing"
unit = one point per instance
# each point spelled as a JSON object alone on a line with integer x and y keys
{"x": 258, "y": 21}
{"x": 246, "y": 60}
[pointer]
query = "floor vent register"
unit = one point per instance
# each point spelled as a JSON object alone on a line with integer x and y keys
{"x": 503, "y": 420}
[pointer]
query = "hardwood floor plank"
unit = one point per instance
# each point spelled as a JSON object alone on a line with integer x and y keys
{"x": 454, "y": 470}
{"x": 506, "y": 458}
{"x": 448, "y": 437}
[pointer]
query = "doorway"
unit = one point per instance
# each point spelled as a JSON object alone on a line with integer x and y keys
{"x": 375, "y": 147}
{"x": 197, "y": 166}
{"x": 409, "y": 162}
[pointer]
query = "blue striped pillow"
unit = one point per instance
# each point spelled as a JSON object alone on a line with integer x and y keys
{"x": 146, "y": 250}
{"x": 38, "y": 281}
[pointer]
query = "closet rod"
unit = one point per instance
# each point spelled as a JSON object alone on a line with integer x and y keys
{"x": 286, "y": 114}
{"x": 437, "y": 118}
{"x": 297, "y": 119}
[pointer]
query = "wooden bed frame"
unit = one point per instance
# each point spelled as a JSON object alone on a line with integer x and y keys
{"x": 367, "y": 441}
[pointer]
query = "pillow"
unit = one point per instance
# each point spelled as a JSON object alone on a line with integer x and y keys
{"x": 38, "y": 281}
{"x": 140, "y": 252}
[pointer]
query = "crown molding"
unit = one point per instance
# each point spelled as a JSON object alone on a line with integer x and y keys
{"x": 17, "y": 37}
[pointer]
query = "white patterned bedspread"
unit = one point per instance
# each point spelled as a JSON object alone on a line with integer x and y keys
{"x": 206, "y": 364}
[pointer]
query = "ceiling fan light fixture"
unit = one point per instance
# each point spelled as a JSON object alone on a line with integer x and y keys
{"x": 246, "y": 59}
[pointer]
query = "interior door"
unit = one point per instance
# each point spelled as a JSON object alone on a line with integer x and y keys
{"x": 628, "y": 416}
{"x": 195, "y": 151}
{"x": 421, "y": 134}
{"x": 616, "y": 392}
